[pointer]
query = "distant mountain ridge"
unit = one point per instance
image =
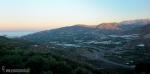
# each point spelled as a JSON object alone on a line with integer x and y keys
{"x": 103, "y": 26}
{"x": 130, "y": 24}
{"x": 108, "y": 26}
{"x": 85, "y": 32}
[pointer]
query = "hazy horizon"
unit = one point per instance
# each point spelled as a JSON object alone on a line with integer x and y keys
{"x": 37, "y": 15}
{"x": 14, "y": 34}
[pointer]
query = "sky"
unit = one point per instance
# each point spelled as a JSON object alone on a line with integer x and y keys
{"x": 37, "y": 15}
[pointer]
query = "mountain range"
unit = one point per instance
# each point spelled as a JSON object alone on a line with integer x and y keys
{"x": 86, "y": 32}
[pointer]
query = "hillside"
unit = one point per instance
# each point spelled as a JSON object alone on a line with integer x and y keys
{"x": 68, "y": 34}
{"x": 97, "y": 43}
{"x": 15, "y": 54}
{"x": 85, "y": 32}
{"x": 51, "y": 58}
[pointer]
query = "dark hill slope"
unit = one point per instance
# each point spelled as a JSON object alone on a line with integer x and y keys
{"x": 67, "y": 34}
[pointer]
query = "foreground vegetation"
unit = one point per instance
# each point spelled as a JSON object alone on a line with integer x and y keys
{"x": 16, "y": 54}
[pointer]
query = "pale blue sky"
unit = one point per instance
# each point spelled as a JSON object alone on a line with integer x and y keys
{"x": 35, "y": 15}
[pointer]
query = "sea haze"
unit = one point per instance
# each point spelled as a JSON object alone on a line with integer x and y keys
{"x": 14, "y": 34}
